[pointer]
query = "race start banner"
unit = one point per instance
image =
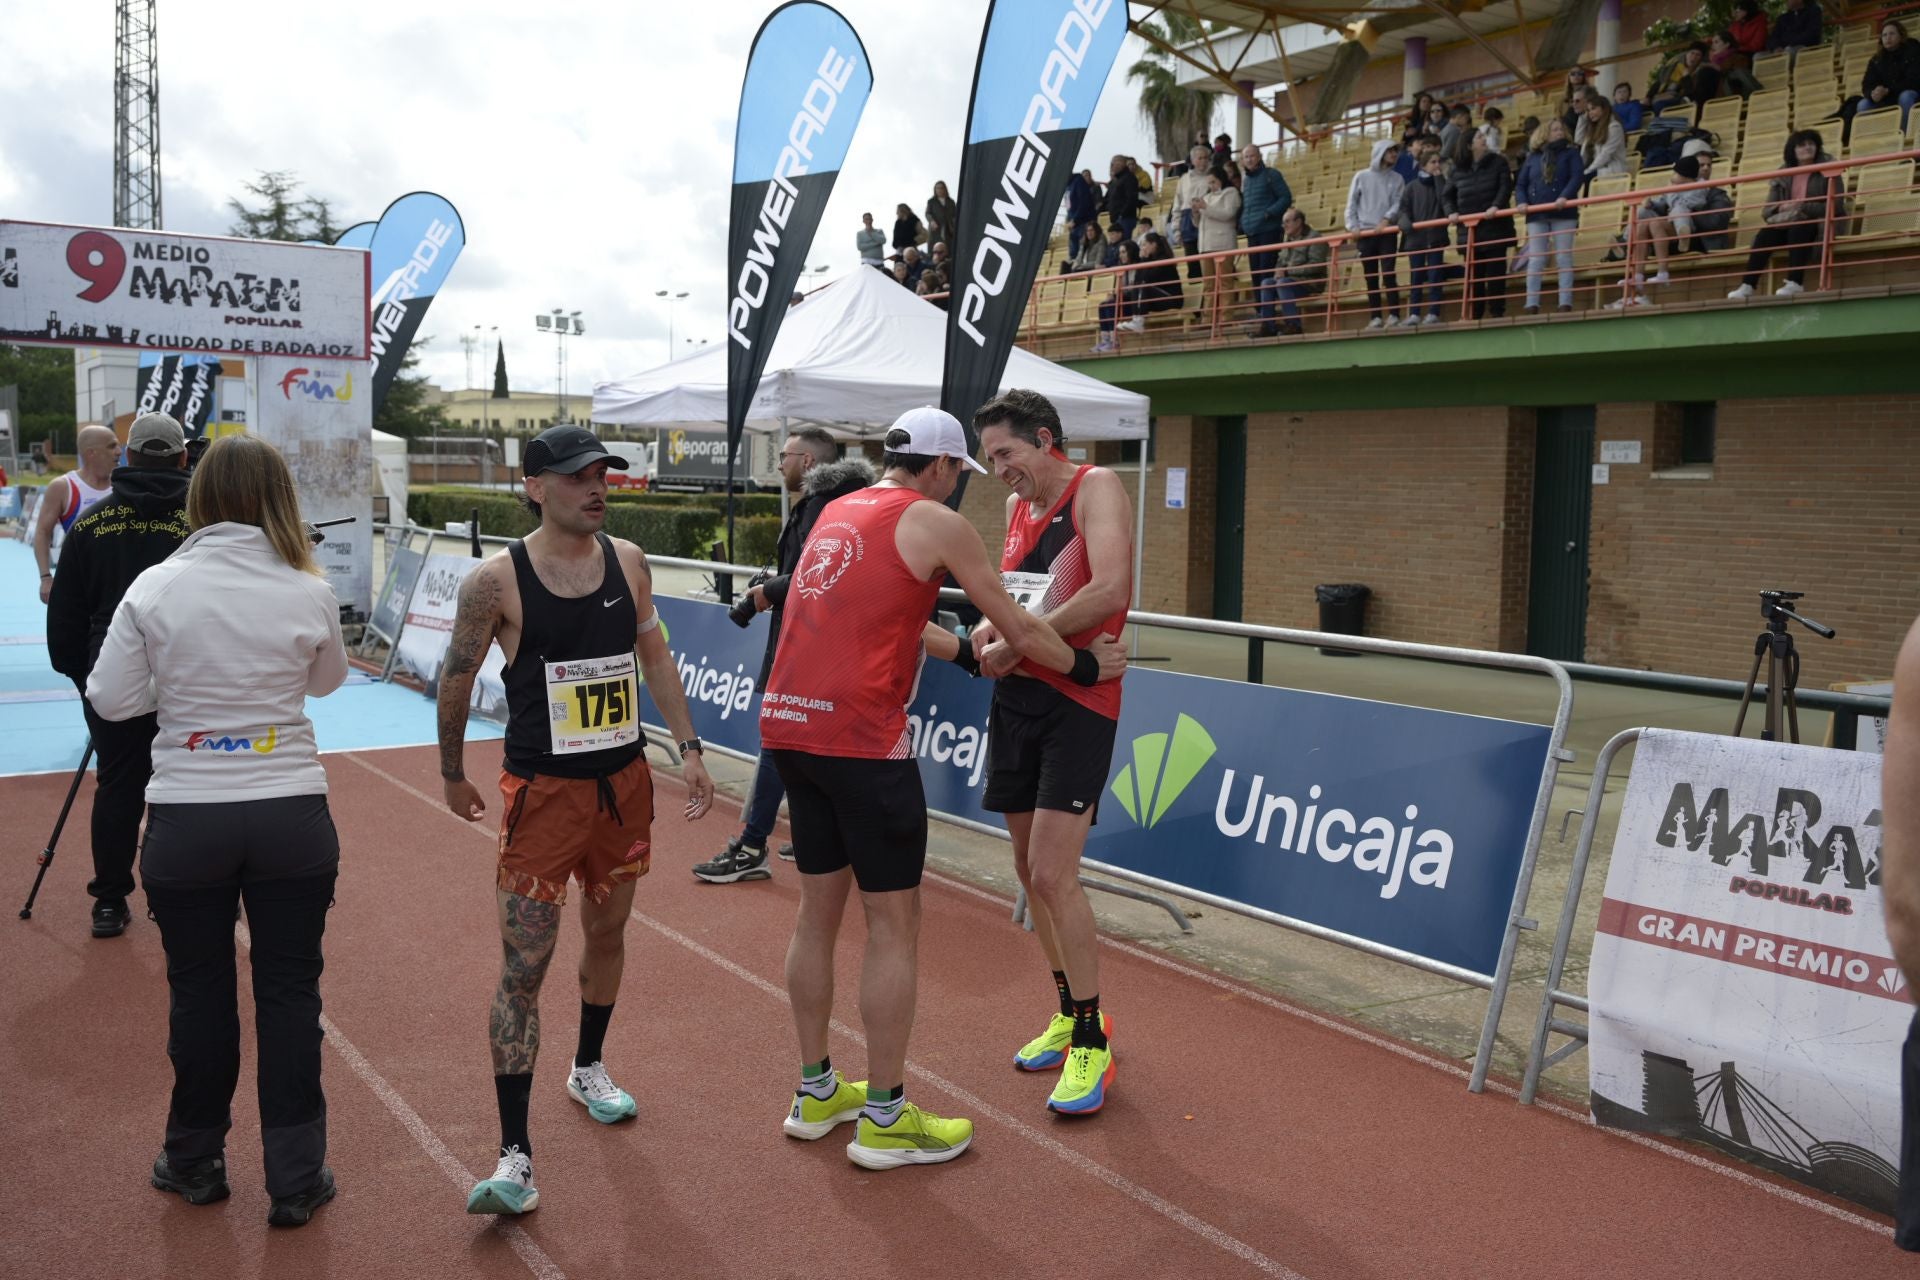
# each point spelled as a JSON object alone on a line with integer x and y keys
{"x": 413, "y": 248}
{"x": 115, "y": 287}
{"x": 1042, "y": 66}
{"x": 1743, "y": 991}
{"x": 316, "y": 413}
{"x": 1401, "y": 825}
{"x": 807, "y": 82}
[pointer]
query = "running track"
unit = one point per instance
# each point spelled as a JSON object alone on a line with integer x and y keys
{"x": 1244, "y": 1137}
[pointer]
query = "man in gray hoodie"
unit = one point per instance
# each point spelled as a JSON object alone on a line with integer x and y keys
{"x": 1373, "y": 213}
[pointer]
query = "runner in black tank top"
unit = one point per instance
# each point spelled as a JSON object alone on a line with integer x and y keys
{"x": 576, "y": 609}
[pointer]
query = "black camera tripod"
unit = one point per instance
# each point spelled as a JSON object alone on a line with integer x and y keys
{"x": 1775, "y": 646}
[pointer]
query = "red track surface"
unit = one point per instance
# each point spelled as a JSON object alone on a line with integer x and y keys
{"x": 1242, "y": 1138}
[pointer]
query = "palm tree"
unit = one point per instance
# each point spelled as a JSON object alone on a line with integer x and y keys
{"x": 1177, "y": 114}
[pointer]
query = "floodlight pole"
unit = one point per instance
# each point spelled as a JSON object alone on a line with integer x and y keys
{"x": 673, "y": 302}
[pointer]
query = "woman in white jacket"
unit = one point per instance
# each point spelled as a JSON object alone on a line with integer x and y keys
{"x": 1602, "y": 142}
{"x": 1217, "y": 214}
{"x": 225, "y": 640}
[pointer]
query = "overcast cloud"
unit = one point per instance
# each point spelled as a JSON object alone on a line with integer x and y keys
{"x": 587, "y": 147}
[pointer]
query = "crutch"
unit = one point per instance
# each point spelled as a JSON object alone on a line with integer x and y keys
{"x": 46, "y": 855}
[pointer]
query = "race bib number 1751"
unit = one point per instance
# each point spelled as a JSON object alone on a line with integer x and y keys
{"x": 592, "y": 704}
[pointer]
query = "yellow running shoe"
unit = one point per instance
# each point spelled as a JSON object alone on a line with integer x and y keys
{"x": 915, "y": 1137}
{"x": 1049, "y": 1049}
{"x": 812, "y": 1117}
{"x": 1082, "y": 1089}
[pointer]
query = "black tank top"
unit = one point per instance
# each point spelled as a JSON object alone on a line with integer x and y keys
{"x": 572, "y": 684}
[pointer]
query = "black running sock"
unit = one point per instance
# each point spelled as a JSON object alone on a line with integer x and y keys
{"x": 1087, "y": 1032}
{"x": 1066, "y": 996}
{"x": 514, "y": 1092}
{"x": 593, "y": 1032}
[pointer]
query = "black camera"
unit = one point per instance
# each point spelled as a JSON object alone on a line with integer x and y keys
{"x": 742, "y": 611}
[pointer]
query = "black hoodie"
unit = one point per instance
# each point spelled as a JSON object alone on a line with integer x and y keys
{"x": 822, "y": 484}
{"x": 114, "y": 543}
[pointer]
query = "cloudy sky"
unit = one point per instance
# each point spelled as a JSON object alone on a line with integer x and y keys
{"x": 587, "y": 147}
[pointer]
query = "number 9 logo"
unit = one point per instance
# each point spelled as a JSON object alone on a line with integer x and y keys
{"x": 102, "y": 277}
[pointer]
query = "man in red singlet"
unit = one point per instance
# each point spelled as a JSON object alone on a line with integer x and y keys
{"x": 834, "y": 717}
{"x": 1067, "y": 558}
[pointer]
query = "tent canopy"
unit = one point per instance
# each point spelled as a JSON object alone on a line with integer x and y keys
{"x": 851, "y": 358}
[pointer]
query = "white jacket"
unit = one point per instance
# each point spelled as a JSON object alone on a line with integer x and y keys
{"x": 226, "y": 641}
{"x": 1220, "y": 224}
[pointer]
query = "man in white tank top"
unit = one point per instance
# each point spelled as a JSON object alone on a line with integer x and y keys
{"x": 71, "y": 496}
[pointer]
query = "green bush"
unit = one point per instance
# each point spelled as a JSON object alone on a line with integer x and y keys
{"x": 664, "y": 529}
{"x": 757, "y": 539}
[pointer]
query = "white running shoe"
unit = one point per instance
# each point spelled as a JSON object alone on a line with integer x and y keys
{"x": 1134, "y": 324}
{"x": 1103, "y": 346}
{"x": 509, "y": 1190}
{"x": 1432, "y": 317}
{"x": 1378, "y": 323}
{"x": 593, "y": 1089}
{"x": 1789, "y": 289}
{"x": 1660, "y": 277}
{"x": 1741, "y": 294}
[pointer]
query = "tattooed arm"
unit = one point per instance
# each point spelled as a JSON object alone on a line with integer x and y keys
{"x": 474, "y": 625}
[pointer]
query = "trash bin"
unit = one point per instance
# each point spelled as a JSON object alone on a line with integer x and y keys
{"x": 1343, "y": 611}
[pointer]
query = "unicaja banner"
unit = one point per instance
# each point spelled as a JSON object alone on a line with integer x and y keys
{"x": 807, "y": 82}
{"x": 1042, "y": 66}
{"x": 1743, "y": 991}
{"x": 414, "y": 246}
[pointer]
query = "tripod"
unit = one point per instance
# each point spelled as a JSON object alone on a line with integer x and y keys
{"x": 1774, "y": 646}
{"x": 46, "y": 855}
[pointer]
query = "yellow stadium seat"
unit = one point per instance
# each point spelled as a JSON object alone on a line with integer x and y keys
{"x": 1888, "y": 205}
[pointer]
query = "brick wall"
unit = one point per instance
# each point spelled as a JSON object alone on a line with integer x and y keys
{"x": 1814, "y": 495}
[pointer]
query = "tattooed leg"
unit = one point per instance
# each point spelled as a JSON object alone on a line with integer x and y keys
{"x": 528, "y": 930}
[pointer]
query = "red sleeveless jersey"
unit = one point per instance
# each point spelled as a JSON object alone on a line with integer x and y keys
{"x": 1043, "y": 563}
{"x": 849, "y": 657}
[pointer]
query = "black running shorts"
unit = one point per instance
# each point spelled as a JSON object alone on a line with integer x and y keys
{"x": 1044, "y": 750}
{"x": 870, "y": 815}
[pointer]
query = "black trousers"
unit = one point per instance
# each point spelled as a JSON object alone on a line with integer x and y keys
{"x": 1489, "y": 257}
{"x": 199, "y": 861}
{"x": 1377, "y": 252}
{"x": 123, "y": 751}
{"x": 1797, "y": 238}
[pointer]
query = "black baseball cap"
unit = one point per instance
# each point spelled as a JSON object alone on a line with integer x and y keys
{"x": 567, "y": 449}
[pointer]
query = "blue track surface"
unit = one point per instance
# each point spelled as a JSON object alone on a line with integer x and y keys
{"x": 41, "y": 729}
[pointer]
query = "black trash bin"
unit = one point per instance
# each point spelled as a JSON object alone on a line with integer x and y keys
{"x": 1343, "y": 611}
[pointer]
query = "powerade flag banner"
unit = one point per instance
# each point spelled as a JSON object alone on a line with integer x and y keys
{"x": 357, "y": 236}
{"x": 180, "y": 387}
{"x": 807, "y": 82}
{"x": 414, "y": 246}
{"x": 1042, "y": 66}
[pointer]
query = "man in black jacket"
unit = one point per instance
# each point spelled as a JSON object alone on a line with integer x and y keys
{"x": 807, "y": 465}
{"x": 125, "y": 535}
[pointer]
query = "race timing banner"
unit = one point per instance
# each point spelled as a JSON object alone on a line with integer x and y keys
{"x": 1042, "y": 66}
{"x": 116, "y": 287}
{"x": 807, "y": 82}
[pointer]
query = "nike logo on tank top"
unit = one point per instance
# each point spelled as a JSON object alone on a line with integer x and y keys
{"x": 1042, "y": 565}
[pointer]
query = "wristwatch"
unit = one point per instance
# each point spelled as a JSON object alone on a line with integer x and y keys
{"x": 693, "y": 744}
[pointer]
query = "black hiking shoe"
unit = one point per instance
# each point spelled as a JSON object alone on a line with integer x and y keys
{"x": 297, "y": 1210}
{"x": 110, "y": 917}
{"x": 197, "y": 1182}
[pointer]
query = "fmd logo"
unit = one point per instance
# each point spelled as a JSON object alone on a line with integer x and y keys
{"x": 1161, "y": 770}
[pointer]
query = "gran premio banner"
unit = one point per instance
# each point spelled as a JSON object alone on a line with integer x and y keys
{"x": 114, "y": 287}
{"x": 1743, "y": 991}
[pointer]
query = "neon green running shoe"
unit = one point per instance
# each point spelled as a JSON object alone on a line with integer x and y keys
{"x": 1082, "y": 1088}
{"x": 812, "y": 1117}
{"x": 1049, "y": 1049}
{"x": 915, "y": 1137}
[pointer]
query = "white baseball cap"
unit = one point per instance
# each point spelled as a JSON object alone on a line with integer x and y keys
{"x": 933, "y": 433}
{"x": 1698, "y": 147}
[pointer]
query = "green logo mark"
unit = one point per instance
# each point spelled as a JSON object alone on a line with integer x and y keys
{"x": 1147, "y": 788}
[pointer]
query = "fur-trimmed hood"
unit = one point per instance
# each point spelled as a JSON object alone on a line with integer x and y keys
{"x": 837, "y": 479}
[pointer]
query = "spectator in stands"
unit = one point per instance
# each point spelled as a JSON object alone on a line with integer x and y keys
{"x": 915, "y": 264}
{"x": 932, "y": 283}
{"x": 1091, "y": 249}
{"x": 1223, "y": 149}
{"x": 1627, "y": 111}
{"x": 942, "y": 218}
{"x": 1191, "y": 187}
{"x": 1667, "y": 225}
{"x": 1264, "y": 201}
{"x": 1735, "y": 67}
{"x": 1893, "y": 75}
{"x": 1797, "y": 27}
{"x": 1748, "y": 30}
{"x": 1110, "y": 251}
{"x": 1493, "y": 126}
{"x": 1521, "y": 145}
{"x": 1083, "y": 204}
{"x": 1122, "y": 205}
{"x": 907, "y": 230}
{"x": 1142, "y": 229}
{"x": 871, "y": 241}
{"x": 1300, "y": 269}
{"x": 1373, "y": 212}
{"x": 1484, "y": 186}
{"x": 1129, "y": 257}
{"x": 941, "y": 260}
{"x": 1601, "y": 139}
{"x": 1550, "y": 178}
{"x": 1154, "y": 285}
{"x": 1578, "y": 82}
{"x": 898, "y": 270}
{"x": 1796, "y": 217}
{"x": 1425, "y": 246}
{"x": 1437, "y": 116}
{"x": 1217, "y": 214}
{"x": 1415, "y": 121}
{"x": 1692, "y": 79}
{"x": 1456, "y": 139}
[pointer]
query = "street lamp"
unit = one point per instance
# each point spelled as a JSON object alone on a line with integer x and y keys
{"x": 673, "y": 301}
{"x": 563, "y": 324}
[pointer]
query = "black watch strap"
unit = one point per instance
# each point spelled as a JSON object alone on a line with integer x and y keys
{"x": 693, "y": 744}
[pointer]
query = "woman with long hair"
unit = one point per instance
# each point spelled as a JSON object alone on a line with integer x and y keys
{"x": 942, "y": 216}
{"x": 1217, "y": 214}
{"x": 1796, "y": 216}
{"x": 226, "y": 640}
{"x": 907, "y": 231}
{"x": 1550, "y": 178}
{"x": 1601, "y": 139}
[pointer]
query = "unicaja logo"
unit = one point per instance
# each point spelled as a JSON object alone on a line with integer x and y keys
{"x": 1161, "y": 769}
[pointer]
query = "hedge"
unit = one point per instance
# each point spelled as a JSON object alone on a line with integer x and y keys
{"x": 757, "y": 539}
{"x": 662, "y": 529}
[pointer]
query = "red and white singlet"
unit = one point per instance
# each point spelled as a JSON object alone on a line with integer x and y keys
{"x": 1043, "y": 563}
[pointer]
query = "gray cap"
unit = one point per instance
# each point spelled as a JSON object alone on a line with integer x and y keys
{"x": 158, "y": 435}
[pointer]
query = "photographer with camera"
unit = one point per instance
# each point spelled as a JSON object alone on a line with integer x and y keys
{"x": 810, "y": 465}
{"x": 140, "y": 523}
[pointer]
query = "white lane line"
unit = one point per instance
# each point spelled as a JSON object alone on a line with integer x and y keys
{"x": 536, "y": 1259}
{"x": 1451, "y": 1068}
{"x": 1133, "y": 1191}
